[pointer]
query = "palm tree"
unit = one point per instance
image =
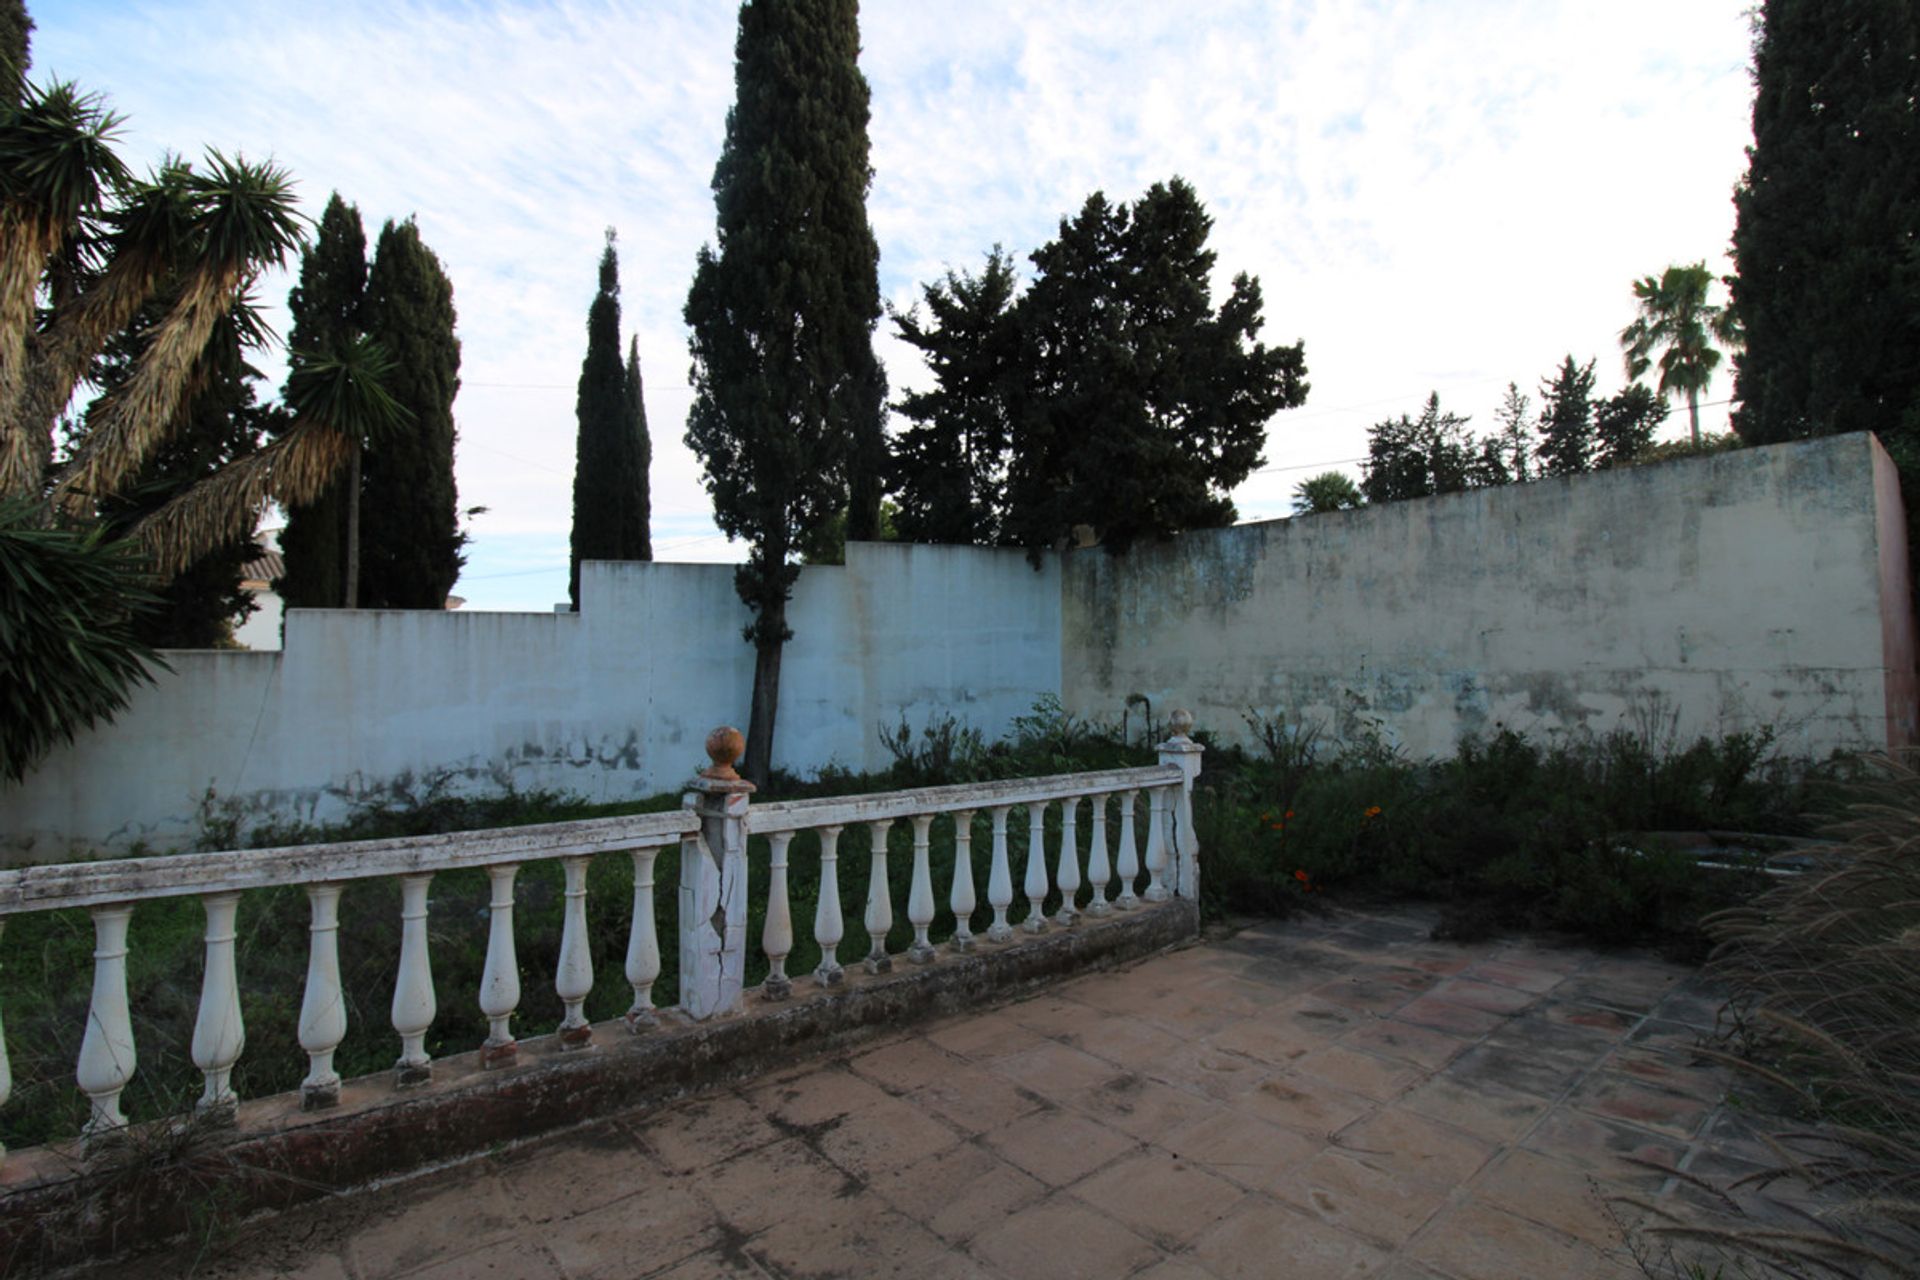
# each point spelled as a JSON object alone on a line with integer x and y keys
{"x": 1675, "y": 315}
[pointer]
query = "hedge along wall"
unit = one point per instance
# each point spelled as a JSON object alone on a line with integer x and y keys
{"x": 1764, "y": 587}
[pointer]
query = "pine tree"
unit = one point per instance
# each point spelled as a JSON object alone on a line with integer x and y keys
{"x": 410, "y": 537}
{"x": 326, "y": 307}
{"x": 1623, "y": 425}
{"x": 1827, "y": 226}
{"x": 610, "y": 463}
{"x": 948, "y": 472}
{"x": 1513, "y": 440}
{"x": 1141, "y": 404}
{"x": 1418, "y": 458}
{"x": 782, "y": 311}
{"x": 1566, "y": 420}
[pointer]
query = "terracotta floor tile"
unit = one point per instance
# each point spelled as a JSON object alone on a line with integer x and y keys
{"x": 1316, "y": 1017}
{"x": 1682, "y": 1073}
{"x": 1432, "y": 1012}
{"x": 1342, "y": 1191}
{"x": 1203, "y": 1069}
{"x": 1263, "y": 1240}
{"x": 1279, "y": 1043}
{"x": 984, "y": 1037}
{"x": 577, "y": 1172}
{"x": 884, "y": 1136}
{"x": 1513, "y": 1070}
{"x": 1127, "y": 1043}
{"x": 904, "y": 1065}
{"x": 1483, "y": 1110}
{"x": 856, "y": 1236}
{"x": 509, "y": 1260}
{"x": 973, "y": 1099}
{"x": 1404, "y": 1143}
{"x": 1381, "y": 1079}
{"x": 1160, "y": 1196}
{"x": 1145, "y": 1108}
{"x": 1364, "y": 994}
{"x": 1061, "y": 1074}
{"x": 1064, "y": 1239}
{"x": 827, "y": 1094}
{"x": 960, "y": 1192}
{"x": 1554, "y": 1194}
{"x": 685, "y": 1136}
{"x": 1479, "y": 1242}
{"x": 1402, "y": 1040}
{"x": 1622, "y": 1097}
{"x": 1484, "y": 996}
{"x": 1304, "y": 1103}
{"x": 755, "y": 1189}
{"x": 645, "y": 1232}
{"x": 435, "y": 1219}
{"x": 1536, "y": 980}
{"x": 1058, "y": 1147}
{"x": 1613, "y": 1151}
{"x": 1250, "y": 1152}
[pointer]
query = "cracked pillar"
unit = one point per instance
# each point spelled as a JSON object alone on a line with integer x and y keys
{"x": 713, "y": 884}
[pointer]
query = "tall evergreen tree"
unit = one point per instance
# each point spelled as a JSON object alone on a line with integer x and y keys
{"x": 948, "y": 472}
{"x": 16, "y": 36}
{"x": 1566, "y": 420}
{"x": 326, "y": 307}
{"x": 1142, "y": 404}
{"x": 1623, "y": 425}
{"x": 410, "y": 539}
{"x": 610, "y": 463}
{"x": 643, "y": 454}
{"x": 782, "y": 311}
{"x": 1418, "y": 458}
{"x": 1513, "y": 439}
{"x": 1827, "y": 226}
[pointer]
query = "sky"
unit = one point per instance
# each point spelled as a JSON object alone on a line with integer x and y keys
{"x": 1436, "y": 197}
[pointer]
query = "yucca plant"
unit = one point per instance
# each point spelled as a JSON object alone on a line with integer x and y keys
{"x": 1825, "y": 976}
{"x": 86, "y": 249}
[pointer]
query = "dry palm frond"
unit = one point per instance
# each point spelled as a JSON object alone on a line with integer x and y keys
{"x": 293, "y": 470}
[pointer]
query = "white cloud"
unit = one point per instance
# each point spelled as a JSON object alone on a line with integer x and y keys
{"x": 1435, "y": 197}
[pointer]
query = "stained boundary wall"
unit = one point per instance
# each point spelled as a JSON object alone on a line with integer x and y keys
{"x": 1761, "y": 588}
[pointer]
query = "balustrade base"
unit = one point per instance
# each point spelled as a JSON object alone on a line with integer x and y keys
{"x": 639, "y": 1020}
{"x": 573, "y": 1039}
{"x": 495, "y": 1054}
{"x": 54, "y": 1211}
{"x": 319, "y": 1097}
{"x": 963, "y": 942}
{"x": 878, "y": 962}
{"x": 922, "y": 953}
{"x": 777, "y": 987}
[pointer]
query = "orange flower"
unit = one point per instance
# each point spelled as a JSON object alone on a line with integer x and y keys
{"x": 1373, "y": 811}
{"x": 1301, "y": 876}
{"x": 1289, "y": 813}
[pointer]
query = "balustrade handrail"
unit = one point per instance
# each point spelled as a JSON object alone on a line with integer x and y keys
{"x": 883, "y": 806}
{"x": 86, "y": 884}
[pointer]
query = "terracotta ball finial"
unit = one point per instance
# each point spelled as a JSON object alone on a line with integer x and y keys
{"x": 724, "y": 746}
{"x": 1182, "y": 723}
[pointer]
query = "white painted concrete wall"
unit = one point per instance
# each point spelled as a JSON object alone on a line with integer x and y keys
{"x": 610, "y": 703}
{"x": 1748, "y": 589}
{"x": 1766, "y": 587}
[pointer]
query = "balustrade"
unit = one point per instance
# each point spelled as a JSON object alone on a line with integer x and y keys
{"x": 712, "y": 829}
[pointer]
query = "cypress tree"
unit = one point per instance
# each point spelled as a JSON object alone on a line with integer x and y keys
{"x": 1566, "y": 420}
{"x": 782, "y": 311}
{"x": 1827, "y": 221}
{"x": 611, "y": 454}
{"x": 326, "y": 307}
{"x": 642, "y": 504}
{"x": 16, "y": 34}
{"x": 410, "y": 535}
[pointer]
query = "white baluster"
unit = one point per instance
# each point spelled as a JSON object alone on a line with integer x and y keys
{"x": 1067, "y": 875}
{"x": 6, "y": 1071}
{"x": 920, "y": 895}
{"x": 879, "y": 917}
{"x": 573, "y": 980}
{"x": 828, "y": 928}
{"x": 1128, "y": 866}
{"x": 500, "y": 979}
{"x": 999, "y": 880}
{"x": 643, "y": 943}
{"x": 960, "y": 899}
{"x": 413, "y": 1002}
{"x": 106, "y": 1050}
{"x": 218, "y": 1033}
{"x": 323, "y": 1009}
{"x": 1099, "y": 873}
{"x": 1157, "y": 890}
{"x": 1036, "y": 881}
{"x": 777, "y": 937}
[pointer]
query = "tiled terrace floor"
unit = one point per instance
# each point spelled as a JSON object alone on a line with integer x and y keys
{"x": 1312, "y": 1098}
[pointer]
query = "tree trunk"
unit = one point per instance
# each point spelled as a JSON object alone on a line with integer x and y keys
{"x": 766, "y": 700}
{"x": 352, "y": 592}
{"x": 1693, "y": 409}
